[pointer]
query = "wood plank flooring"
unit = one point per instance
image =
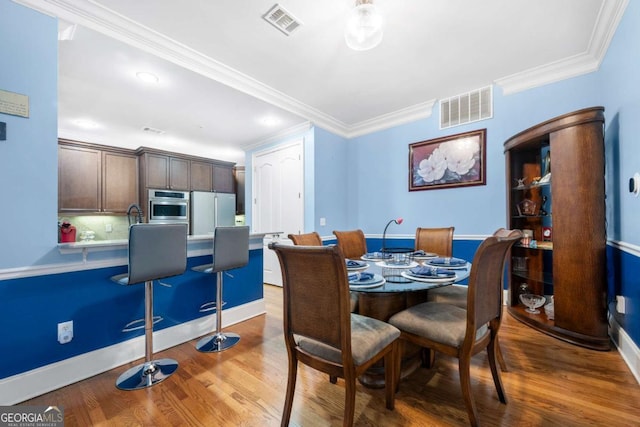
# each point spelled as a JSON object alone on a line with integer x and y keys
{"x": 549, "y": 383}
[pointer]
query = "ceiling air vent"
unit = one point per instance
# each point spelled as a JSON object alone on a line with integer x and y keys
{"x": 466, "y": 108}
{"x": 152, "y": 130}
{"x": 280, "y": 18}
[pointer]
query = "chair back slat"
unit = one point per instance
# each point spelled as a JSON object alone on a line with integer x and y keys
{"x": 435, "y": 240}
{"x": 484, "y": 296}
{"x": 352, "y": 243}
{"x": 306, "y": 239}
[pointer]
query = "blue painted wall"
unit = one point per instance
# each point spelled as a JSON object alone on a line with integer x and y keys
{"x": 101, "y": 308}
{"x": 28, "y": 165}
{"x": 618, "y": 77}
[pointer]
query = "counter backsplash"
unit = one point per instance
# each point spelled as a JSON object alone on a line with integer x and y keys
{"x": 99, "y": 225}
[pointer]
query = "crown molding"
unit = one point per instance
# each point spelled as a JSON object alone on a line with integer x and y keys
{"x": 395, "y": 118}
{"x": 607, "y": 22}
{"x": 280, "y": 136}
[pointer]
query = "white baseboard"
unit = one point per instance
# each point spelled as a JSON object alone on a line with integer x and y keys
{"x": 27, "y": 385}
{"x": 626, "y": 347}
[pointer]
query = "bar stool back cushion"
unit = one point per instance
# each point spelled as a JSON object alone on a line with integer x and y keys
{"x": 230, "y": 248}
{"x": 156, "y": 251}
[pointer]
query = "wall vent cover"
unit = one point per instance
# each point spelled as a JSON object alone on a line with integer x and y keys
{"x": 467, "y": 107}
{"x": 280, "y": 18}
{"x": 152, "y": 130}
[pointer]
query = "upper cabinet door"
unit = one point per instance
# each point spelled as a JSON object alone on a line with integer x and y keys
{"x": 223, "y": 179}
{"x": 157, "y": 171}
{"x": 79, "y": 179}
{"x": 201, "y": 176}
{"x": 179, "y": 174}
{"x": 120, "y": 181}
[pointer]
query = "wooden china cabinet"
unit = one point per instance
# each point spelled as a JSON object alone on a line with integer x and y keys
{"x": 555, "y": 188}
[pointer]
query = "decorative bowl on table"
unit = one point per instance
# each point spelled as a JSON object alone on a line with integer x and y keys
{"x": 533, "y": 302}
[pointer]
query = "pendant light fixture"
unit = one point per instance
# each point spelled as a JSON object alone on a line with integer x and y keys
{"x": 364, "y": 26}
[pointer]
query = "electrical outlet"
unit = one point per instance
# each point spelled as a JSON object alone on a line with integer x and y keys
{"x": 323, "y": 222}
{"x": 620, "y": 304}
{"x": 65, "y": 332}
{"x": 108, "y": 228}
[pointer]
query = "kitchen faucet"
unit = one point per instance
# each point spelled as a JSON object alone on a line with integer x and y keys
{"x": 138, "y": 217}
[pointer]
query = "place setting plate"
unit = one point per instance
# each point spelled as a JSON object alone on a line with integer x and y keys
{"x": 375, "y": 256}
{"x": 365, "y": 281}
{"x": 448, "y": 263}
{"x": 430, "y": 275}
{"x": 426, "y": 279}
{"x": 423, "y": 256}
{"x": 355, "y": 265}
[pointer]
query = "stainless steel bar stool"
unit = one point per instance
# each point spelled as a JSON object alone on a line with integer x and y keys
{"x": 230, "y": 250}
{"x": 156, "y": 251}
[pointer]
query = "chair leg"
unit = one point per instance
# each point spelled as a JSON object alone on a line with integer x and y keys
{"x": 151, "y": 371}
{"x": 218, "y": 341}
{"x": 390, "y": 365}
{"x": 492, "y": 349}
{"x": 349, "y": 399}
{"x": 428, "y": 357}
{"x": 291, "y": 388}
{"x": 464, "y": 366}
{"x": 503, "y": 364}
{"x": 333, "y": 379}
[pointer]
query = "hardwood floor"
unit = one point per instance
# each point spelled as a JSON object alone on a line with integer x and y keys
{"x": 549, "y": 383}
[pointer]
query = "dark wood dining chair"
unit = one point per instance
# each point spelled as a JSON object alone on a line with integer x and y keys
{"x": 306, "y": 239}
{"x": 314, "y": 239}
{"x": 435, "y": 240}
{"x": 320, "y": 331}
{"x": 352, "y": 243}
{"x": 457, "y": 295}
{"x": 463, "y": 333}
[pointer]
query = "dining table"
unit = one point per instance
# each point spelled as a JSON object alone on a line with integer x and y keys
{"x": 386, "y": 285}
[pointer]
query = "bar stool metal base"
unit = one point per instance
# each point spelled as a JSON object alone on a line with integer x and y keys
{"x": 217, "y": 342}
{"x": 146, "y": 374}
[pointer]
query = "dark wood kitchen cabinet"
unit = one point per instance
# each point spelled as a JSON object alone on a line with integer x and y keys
{"x": 166, "y": 172}
{"x": 223, "y": 178}
{"x": 79, "y": 179}
{"x": 201, "y": 176}
{"x": 119, "y": 181}
{"x": 564, "y": 207}
{"x": 94, "y": 179}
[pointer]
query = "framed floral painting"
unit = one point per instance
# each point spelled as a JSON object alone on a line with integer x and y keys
{"x": 450, "y": 161}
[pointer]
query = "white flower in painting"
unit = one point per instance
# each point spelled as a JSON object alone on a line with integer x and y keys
{"x": 433, "y": 168}
{"x": 460, "y": 154}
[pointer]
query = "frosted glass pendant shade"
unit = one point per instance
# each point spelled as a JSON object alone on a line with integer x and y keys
{"x": 364, "y": 27}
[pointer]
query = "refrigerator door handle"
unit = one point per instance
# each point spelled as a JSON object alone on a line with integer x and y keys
{"x": 215, "y": 211}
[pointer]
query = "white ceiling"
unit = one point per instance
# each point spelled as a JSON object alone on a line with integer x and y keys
{"x": 223, "y": 69}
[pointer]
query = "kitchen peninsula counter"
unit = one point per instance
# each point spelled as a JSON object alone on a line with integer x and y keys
{"x": 196, "y": 244}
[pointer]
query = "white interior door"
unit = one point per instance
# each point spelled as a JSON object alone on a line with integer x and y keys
{"x": 278, "y": 203}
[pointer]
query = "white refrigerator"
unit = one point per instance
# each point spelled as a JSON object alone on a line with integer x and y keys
{"x": 209, "y": 210}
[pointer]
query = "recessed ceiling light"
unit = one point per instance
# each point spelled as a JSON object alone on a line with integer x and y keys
{"x": 270, "y": 121}
{"x": 147, "y": 77}
{"x": 85, "y": 123}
